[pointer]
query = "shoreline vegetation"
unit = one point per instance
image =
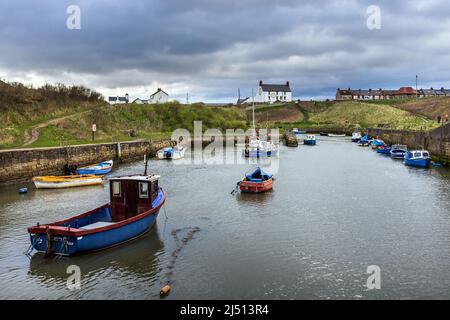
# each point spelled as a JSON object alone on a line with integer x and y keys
{"x": 60, "y": 115}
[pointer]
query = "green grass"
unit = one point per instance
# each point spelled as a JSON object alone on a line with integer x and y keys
{"x": 350, "y": 114}
{"x": 114, "y": 123}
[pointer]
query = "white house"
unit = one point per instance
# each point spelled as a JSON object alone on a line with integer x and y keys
{"x": 271, "y": 93}
{"x": 159, "y": 97}
{"x": 119, "y": 100}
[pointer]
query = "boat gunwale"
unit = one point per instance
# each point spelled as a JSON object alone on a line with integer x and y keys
{"x": 75, "y": 232}
{"x": 105, "y": 165}
{"x": 59, "y": 179}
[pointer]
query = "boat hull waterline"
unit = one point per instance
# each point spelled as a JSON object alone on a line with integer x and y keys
{"x": 67, "y": 240}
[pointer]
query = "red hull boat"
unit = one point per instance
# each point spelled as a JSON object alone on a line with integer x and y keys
{"x": 256, "y": 182}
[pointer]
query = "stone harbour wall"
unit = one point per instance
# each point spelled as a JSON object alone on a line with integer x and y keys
{"x": 23, "y": 164}
{"x": 437, "y": 141}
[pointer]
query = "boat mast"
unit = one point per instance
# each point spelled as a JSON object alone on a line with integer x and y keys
{"x": 253, "y": 114}
{"x": 146, "y": 163}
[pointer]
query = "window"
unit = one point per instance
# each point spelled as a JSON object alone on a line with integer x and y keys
{"x": 155, "y": 188}
{"x": 116, "y": 189}
{"x": 143, "y": 190}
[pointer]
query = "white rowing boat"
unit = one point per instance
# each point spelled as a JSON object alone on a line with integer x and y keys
{"x": 58, "y": 182}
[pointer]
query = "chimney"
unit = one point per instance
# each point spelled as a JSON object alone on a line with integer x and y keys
{"x": 260, "y": 82}
{"x": 127, "y": 97}
{"x": 442, "y": 89}
{"x": 287, "y": 83}
{"x": 370, "y": 89}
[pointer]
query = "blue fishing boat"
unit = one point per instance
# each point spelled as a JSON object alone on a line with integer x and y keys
{"x": 310, "y": 140}
{"x": 398, "y": 151}
{"x": 377, "y": 143}
{"x": 134, "y": 205}
{"x": 417, "y": 158}
{"x": 298, "y": 131}
{"x": 365, "y": 141}
{"x": 98, "y": 169}
{"x": 259, "y": 148}
{"x": 386, "y": 150}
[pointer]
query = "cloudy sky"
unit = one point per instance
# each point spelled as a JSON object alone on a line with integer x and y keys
{"x": 210, "y": 48}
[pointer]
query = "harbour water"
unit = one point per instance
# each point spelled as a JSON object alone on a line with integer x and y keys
{"x": 335, "y": 210}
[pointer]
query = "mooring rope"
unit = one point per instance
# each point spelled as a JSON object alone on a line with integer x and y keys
{"x": 180, "y": 243}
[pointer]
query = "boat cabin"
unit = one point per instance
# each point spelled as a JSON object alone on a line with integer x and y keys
{"x": 400, "y": 147}
{"x": 132, "y": 195}
{"x": 418, "y": 154}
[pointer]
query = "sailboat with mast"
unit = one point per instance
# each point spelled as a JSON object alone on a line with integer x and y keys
{"x": 256, "y": 147}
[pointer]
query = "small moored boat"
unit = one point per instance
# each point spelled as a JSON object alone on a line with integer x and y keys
{"x": 356, "y": 136}
{"x": 256, "y": 182}
{"x": 310, "y": 140}
{"x": 174, "y": 153}
{"x": 365, "y": 141}
{"x": 101, "y": 168}
{"x": 260, "y": 148}
{"x": 398, "y": 151}
{"x": 58, "y": 182}
{"x": 298, "y": 131}
{"x": 417, "y": 158}
{"x": 384, "y": 150}
{"x": 336, "y": 135}
{"x": 134, "y": 205}
{"x": 377, "y": 143}
{"x": 324, "y": 134}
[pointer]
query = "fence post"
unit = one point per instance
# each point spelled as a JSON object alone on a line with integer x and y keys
{"x": 119, "y": 151}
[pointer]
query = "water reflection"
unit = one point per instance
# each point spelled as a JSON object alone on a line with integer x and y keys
{"x": 256, "y": 198}
{"x": 334, "y": 210}
{"x": 138, "y": 258}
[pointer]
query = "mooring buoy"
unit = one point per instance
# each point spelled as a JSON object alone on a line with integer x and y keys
{"x": 165, "y": 291}
{"x": 23, "y": 190}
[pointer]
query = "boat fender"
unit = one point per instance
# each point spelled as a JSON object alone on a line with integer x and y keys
{"x": 165, "y": 290}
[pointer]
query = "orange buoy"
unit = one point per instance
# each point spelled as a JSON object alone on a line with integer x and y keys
{"x": 165, "y": 290}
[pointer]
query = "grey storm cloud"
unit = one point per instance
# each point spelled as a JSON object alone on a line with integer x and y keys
{"x": 213, "y": 47}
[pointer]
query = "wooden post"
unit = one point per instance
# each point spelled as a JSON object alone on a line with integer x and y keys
{"x": 119, "y": 151}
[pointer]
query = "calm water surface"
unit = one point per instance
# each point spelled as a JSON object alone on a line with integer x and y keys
{"x": 335, "y": 210}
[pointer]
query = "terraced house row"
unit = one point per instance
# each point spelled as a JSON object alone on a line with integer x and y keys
{"x": 382, "y": 94}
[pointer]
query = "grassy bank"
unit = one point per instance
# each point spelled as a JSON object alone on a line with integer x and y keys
{"x": 369, "y": 115}
{"x": 344, "y": 115}
{"x": 124, "y": 122}
{"x": 60, "y": 115}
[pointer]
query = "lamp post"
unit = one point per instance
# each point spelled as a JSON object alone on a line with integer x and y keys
{"x": 417, "y": 88}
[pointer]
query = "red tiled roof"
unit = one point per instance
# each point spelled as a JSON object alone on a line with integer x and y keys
{"x": 406, "y": 90}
